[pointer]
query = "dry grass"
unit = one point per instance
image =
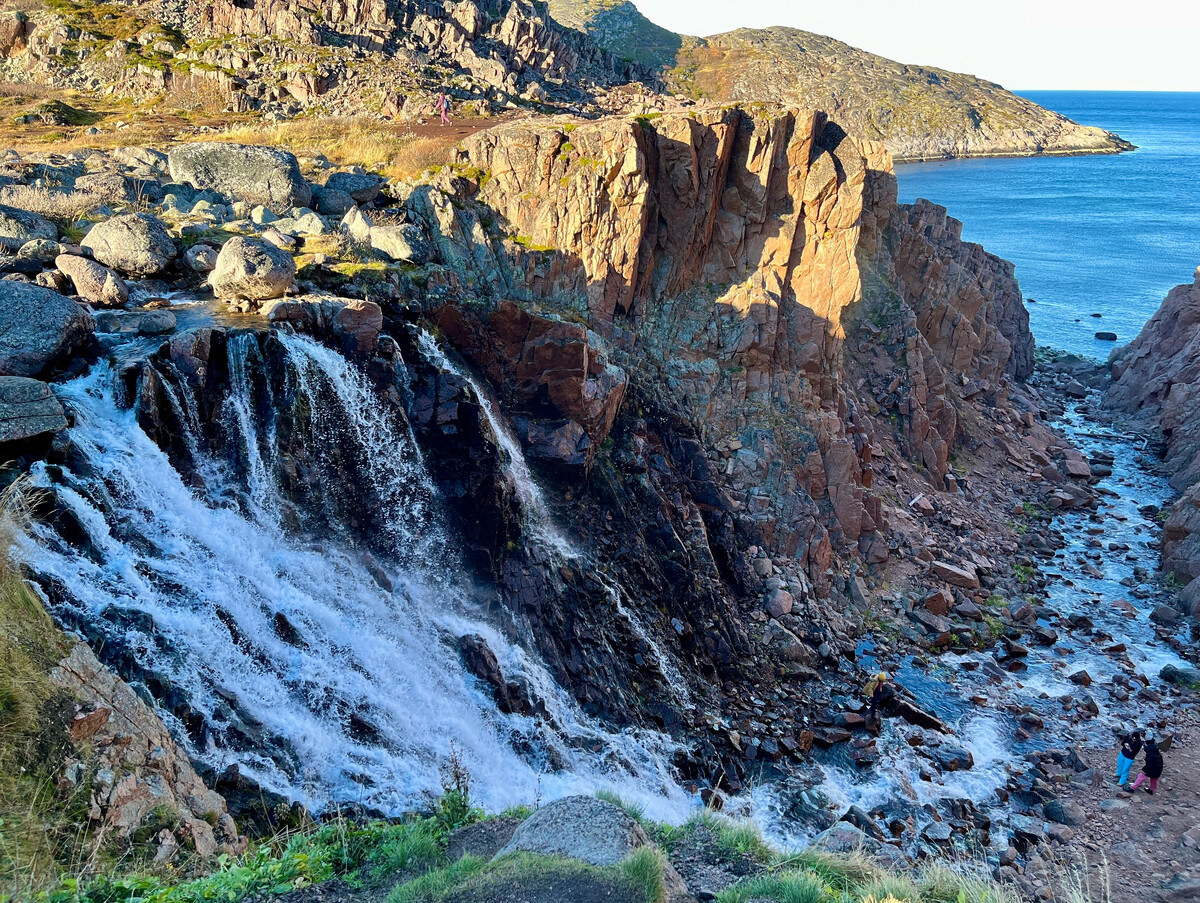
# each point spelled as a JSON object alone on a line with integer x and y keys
{"x": 60, "y": 207}
{"x": 391, "y": 149}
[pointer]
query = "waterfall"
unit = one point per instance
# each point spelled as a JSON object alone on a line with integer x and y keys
{"x": 539, "y": 519}
{"x": 320, "y": 680}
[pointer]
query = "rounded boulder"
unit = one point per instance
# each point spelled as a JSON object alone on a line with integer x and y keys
{"x": 251, "y": 270}
{"x": 136, "y": 244}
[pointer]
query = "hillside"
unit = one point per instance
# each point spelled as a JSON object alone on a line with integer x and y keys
{"x": 918, "y": 112}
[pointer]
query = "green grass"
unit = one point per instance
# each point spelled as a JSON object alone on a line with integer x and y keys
{"x": 338, "y": 849}
{"x": 639, "y": 876}
{"x": 38, "y": 828}
{"x": 792, "y": 886}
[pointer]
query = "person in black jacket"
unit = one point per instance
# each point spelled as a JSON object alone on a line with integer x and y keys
{"x": 1152, "y": 769}
{"x": 1130, "y": 747}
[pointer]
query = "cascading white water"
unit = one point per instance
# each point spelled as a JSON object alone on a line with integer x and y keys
{"x": 313, "y": 678}
{"x": 541, "y": 522}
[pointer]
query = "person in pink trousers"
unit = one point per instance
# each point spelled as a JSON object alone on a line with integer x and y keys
{"x": 1152, "y": 769}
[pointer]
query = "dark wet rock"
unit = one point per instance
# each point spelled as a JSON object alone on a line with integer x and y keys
{"x": 953, "y": 758}
{"x": 1188, "y": 677}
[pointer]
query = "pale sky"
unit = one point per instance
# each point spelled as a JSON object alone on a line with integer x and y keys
{"x": 1098, "y": 45}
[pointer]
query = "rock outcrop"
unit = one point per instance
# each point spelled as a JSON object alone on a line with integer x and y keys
{"x": 1156, "y": 380}
{"x": 135, "y": 767}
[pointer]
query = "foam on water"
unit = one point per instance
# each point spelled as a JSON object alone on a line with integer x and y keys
{"x": 361, "y": 700}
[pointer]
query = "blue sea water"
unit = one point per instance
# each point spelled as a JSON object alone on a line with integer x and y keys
{"x": 1108, "y": 235}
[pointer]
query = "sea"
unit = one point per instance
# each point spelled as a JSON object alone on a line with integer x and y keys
{"x": 1107, "y": 235}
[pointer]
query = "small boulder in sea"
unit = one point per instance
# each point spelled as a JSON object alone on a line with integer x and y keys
{"x": 1106, "y": 336}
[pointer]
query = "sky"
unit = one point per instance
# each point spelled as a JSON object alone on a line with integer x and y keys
{"x": 1084, "y": 45}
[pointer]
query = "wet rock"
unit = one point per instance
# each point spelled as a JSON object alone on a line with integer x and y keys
{"x": 936, "y": 832}
{"x": 844, "y": 837}
{"x": 266, "y": 175}
{"x": 1106, "y": 336}
{"x": 251, "y": 270}
{"x": 953, "y": 758}
{"x": 1165, "y": 615}
{"x": 136, "y": 244}
{"x": 38, "y": 329}
{"x": 1187, "y": 677}
{"x": 27, "y": 409}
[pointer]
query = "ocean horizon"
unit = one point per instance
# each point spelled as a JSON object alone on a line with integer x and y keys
{"x": 1107, "y": 235}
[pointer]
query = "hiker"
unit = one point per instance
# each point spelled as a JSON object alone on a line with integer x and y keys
{"x": 1152, "y": 769}
{"x": 873, "y": 691}
{"x": 1130, "y": 747}
{"x": 441, "y": 106}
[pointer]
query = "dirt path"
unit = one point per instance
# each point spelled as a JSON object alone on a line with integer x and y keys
{"x": 1150, "y": 845}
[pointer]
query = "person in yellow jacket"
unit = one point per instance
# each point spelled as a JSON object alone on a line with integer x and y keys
{"x": 873, "y": 691}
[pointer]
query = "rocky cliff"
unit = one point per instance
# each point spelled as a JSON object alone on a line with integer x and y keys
{"x": 1156, "y": 380}
{"x": 919, "y": 112}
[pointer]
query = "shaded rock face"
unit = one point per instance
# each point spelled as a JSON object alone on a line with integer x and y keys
{"x": 27, "y": 409}
{"x": 725, "y": 252}
{"x": 266, "y": 175}
{"x": 548, "y": 372}
{"x": 1156, "y": 379}
{"x": 39, "y": 329}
